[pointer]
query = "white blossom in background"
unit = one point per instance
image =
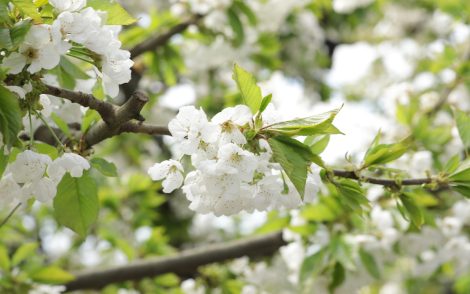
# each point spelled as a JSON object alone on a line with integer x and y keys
{"x": 348, "y": 6}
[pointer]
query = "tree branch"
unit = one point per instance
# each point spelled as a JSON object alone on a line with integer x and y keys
{"x": 387, "y": 182}
{"x": 106, "y": 110}
{"x": 106, "y": 129}
{"x": 153, "y": 43}
{"x": 143, "y": 128}
{"x": 184, "y": 263}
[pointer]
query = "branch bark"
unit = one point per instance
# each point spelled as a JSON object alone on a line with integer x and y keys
{"x": 185, "y": 263}
{"x": 387, "y": 182}
{"x": 153, "y": 43}
{"x": 106, "y": 110}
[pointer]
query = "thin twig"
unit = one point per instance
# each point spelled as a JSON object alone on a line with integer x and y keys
{"x": 10, "y": 215}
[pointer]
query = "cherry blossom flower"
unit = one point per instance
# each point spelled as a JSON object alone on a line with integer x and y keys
{"x": 170, "y": 170}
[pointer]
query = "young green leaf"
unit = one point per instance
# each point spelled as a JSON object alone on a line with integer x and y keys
{"x": 52, "y": 275}
{"x": 3, "y": 160}
{"x": 249, "y": 90}
{"x": 339, "y": 275}
{"x": 264, "y": 103}
{"x": 313, "y": 264}
{"x": 462, "y": 173}
{"x": 117, "y": 15}
{"x": 294, "y": 158}
{"x": 76, "y": 203}
{"x": 246, "y": 10}
{"x": 23, "y": 252}
{"x": 103, "y": 166}
{"x": 384, "y": 153}
{"x": 10, "y": 116}
{"x": 236, "y": 25}
{"x": 463, "y": 126}
{"x": 319, "y": 145}
{"x": 351, "y": 194}
{"x": 412, "y": 210}
{"x": 28, "y": 8}
{"x": 369, "y": 263}
{"x": 313, "y": 125}
{"x": 4, "y": 259}
{"x": 18, "y": 32}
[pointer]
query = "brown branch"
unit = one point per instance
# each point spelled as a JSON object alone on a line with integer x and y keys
{"x": 387, "y": 182}
{"x": 143, "y": 128}
{"x": 185, "y": 263}
{"x": 107, "y": 129}
{"x": 106, "y": 110}
{"x": 153, "y": 43}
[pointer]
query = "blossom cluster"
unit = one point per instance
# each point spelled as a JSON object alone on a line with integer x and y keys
{"x": 231, "y": 174}
{"x": 37, "y": 175}
{"x": 75, "y": 25}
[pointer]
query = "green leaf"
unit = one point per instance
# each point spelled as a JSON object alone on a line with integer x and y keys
{"x": 294, "y": 158}
{"x": 249, "y": 90}
{"x": 73, "y": 69}
{"x": 105, "y": 167}
{"x": 26, "y": 250}
{"x": 63, "y": 126}
{"x": 117, "y": 15}
{"x": 313, "y": 125}
{"x": 412, "y": 210}
{"x": 3, "y": 160}
{"x": 237, "y": 26}
{"x": 28, "y": 8}
{"x": 91, "y": 116}
{"x": 312, "y": 265}
{"x": 463, "y": 126}
{"x": 384, "y": 153}
{"x": 4, "y": 259}
{"x": 318, "y": 146}
{"x": 462, "y": 173}
{"x": 5, "y": 39}
{"x": 246, "y": 10}
{"x": 339, "y": 275}
{"x": 76, "y": 203}
{"x": 10, "y": 116}
{"x": 452, "y": 165}
{"x": 4, "y": 14}
{"x": 369, "y": 263}
{"x": 265, "y": 102}
{"x": 351, "y": 194}
{"x": 19, "y": 31}
{"x": 52, "y": 275}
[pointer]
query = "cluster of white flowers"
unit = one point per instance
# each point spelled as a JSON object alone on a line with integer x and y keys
{"x": 230, "y": 175}
{"x": 44, "y": 44}
{"x": 37, "y": 175}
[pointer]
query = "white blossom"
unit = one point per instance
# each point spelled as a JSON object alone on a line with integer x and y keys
{"x": 29, "y": 166}
{"x": 43, "y": 190}
{"x": 68, "y": 5}
{"x": 68, "y": 162}
{"x": 9, "y": 189}
{"x": 170, "y": 170}
{"x": 231, "y": 119}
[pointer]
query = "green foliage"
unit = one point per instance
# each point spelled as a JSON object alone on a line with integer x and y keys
{"x": 294, "y": 158}
{"x": 351, "y": 194}
{"x": 10, "y": 116}
{"x": 369, "y": 263}
{"x": 103, "y": 166}
{"x": 76, "y": 203}
{"x": 28, "y": 8}
{"x": 23, "y": 252}
{"x": 265, "y": 102}
{"x": 52, "y": 275}
{"x": 117, "y": 15}
{"x": 384, "y": 153}
{"x": 4, "y": 259}
{"x": 249, "y": 90}
{"x": 410, "y": 210}
{"x": 3, "y": 160}
{"x": 463, "y": 125}
{"x": 308, "y": 126}
{"x": 313, "y": 264}
{"x": 237, "y": 26}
